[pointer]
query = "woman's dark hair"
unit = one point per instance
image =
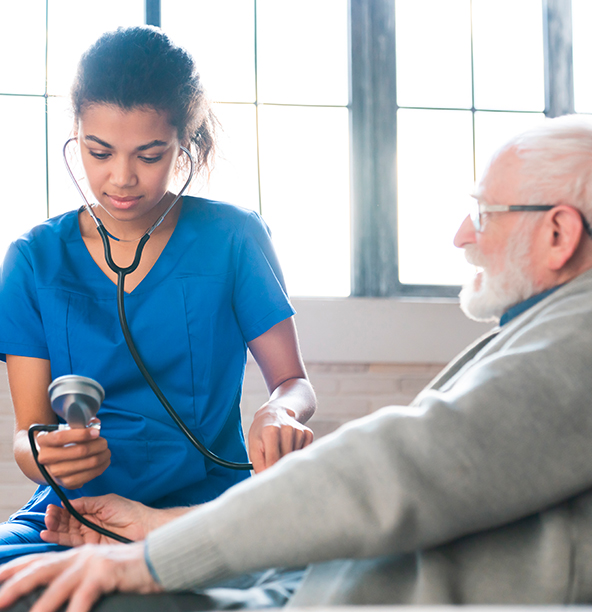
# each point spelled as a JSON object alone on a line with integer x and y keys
{"x": 140, "y": 67}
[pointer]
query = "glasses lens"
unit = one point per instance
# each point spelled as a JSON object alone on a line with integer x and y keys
{"x": 475, "y": 214}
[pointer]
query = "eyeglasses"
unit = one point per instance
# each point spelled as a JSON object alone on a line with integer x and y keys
{"x": 478, "y": 208}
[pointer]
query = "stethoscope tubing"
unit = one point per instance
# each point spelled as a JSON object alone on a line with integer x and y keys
{"x": 56, "y": 489}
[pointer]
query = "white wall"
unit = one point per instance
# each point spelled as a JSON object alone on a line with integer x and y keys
{"x": 351, "y": 330}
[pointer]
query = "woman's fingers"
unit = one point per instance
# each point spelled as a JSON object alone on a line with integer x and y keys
{"x": 75, "y": 456}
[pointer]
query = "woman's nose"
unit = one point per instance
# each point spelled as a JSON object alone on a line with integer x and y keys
{"x": 466, "y": 233}
{"x": 123, "y": 174}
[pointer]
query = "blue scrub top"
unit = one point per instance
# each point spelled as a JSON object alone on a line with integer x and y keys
{"x": 216, "y": 286}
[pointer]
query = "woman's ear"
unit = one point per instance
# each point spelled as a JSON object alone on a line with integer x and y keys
{"x": 564, "y": 233}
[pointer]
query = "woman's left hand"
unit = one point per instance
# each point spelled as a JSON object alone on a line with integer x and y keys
{"x": 275, "y": 432}
{"x": 278, "y": 427}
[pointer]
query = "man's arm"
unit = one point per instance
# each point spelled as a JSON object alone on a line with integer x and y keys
{"x": 506, "y": 438}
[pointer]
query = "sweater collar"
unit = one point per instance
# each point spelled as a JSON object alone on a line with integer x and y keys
{"x": 514, "y": 311}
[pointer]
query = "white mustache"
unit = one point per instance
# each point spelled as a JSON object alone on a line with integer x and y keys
{"x": 474, "y": 256}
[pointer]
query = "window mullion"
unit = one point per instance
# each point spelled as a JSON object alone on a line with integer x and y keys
{"x": 373, "y": 147}
{"x": 152, "y": 12}
{"x": 557, "y": 26}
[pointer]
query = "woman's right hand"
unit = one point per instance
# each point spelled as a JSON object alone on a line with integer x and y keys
{"x": 73, "y": 457}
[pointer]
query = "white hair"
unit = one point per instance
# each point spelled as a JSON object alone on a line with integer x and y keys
{"x": 556, "y": 162}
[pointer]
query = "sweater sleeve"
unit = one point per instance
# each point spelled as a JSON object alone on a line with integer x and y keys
{"x": 508, "y": 437}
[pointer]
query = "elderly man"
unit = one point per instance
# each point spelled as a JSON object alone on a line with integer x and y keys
{"x": 480, "y": 492}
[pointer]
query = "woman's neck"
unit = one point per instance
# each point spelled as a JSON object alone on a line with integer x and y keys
{"x": 132, "y": 230}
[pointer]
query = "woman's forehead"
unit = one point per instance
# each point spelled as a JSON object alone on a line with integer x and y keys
{"x": 114, "y": 124}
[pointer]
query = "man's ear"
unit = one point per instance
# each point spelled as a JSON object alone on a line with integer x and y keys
{"x": 564, "y": 233}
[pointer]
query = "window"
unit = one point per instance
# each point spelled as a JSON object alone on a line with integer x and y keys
{"x": 398, "y": 133}
{"x": 280, "y": 83}
{"x": 439, "y": 86}
{"x": 460, "y": 94}
{"x": 43, "y": 40}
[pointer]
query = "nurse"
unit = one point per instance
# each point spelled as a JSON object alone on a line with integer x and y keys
{"x": 209, "y": 285}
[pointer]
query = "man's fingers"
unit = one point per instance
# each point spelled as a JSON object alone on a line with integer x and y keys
{"x": 10, "y": 569}
{"x": 89, "y": 591}
{"x": 25, "y": 577}
{"x": 73, "y": 583}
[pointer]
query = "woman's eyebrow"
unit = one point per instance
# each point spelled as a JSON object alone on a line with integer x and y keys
{"x": 98, "y": 141}
{"x": 154, "y": 143}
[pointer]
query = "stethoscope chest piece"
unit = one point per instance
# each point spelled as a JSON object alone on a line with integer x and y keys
{"x": 76, "y": 399}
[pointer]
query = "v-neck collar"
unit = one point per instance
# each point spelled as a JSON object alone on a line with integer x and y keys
{"x": 161, "y": 267}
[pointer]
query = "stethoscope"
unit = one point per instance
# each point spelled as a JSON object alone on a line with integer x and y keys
{"x": 121, "y": 274}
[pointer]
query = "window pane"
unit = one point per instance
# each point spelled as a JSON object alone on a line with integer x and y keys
{"x": 235, "y": 177}
{"x": 435, "y": 176}
{"x": 433, "y": 53}
{"x": 582, "y": 55}
{"x": 63, "y": 196}
{"x": 304, "y": 155}
{"x": 492, "y": 130}
{"x": 24, "y": 200}
{"x": 508, "y": 54}
{"x": 221, "y": 37}
{"x": 74, "y": 26}
{"x": 302, "y": 51}
{"x": 22, "y": 47}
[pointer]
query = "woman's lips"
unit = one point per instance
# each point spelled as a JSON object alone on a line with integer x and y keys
{"x": 123, "y": 202}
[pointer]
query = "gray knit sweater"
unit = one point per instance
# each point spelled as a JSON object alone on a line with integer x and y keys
{"x": 480, "y": 492}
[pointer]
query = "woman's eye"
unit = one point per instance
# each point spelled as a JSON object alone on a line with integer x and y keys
{"x": 151, "y": 160}
{"x": 98, "y": 155}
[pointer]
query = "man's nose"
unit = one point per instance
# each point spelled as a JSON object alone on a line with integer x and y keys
{"x": 466, "y": 233}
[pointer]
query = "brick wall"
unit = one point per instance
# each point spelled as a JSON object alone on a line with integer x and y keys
{"x": 344, "y": 392}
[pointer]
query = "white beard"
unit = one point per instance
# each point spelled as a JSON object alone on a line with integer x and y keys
{"x": 487, "y": 297}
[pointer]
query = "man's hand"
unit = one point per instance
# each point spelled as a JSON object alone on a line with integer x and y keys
{"x": 73, "y": 456}
{"x": 122, "y": 516}
{"x": 275, "y": 432}
{"x": 81, "y": 576}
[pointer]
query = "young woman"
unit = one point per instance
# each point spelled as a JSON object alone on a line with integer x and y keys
{"x": 208, "y": 286}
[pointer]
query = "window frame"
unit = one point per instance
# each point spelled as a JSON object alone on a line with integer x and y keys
{"x": 375, "y": 266}
{"x": 373, "y": 131}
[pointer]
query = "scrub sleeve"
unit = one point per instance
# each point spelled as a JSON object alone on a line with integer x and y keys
{"x": 216, "y": 286}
